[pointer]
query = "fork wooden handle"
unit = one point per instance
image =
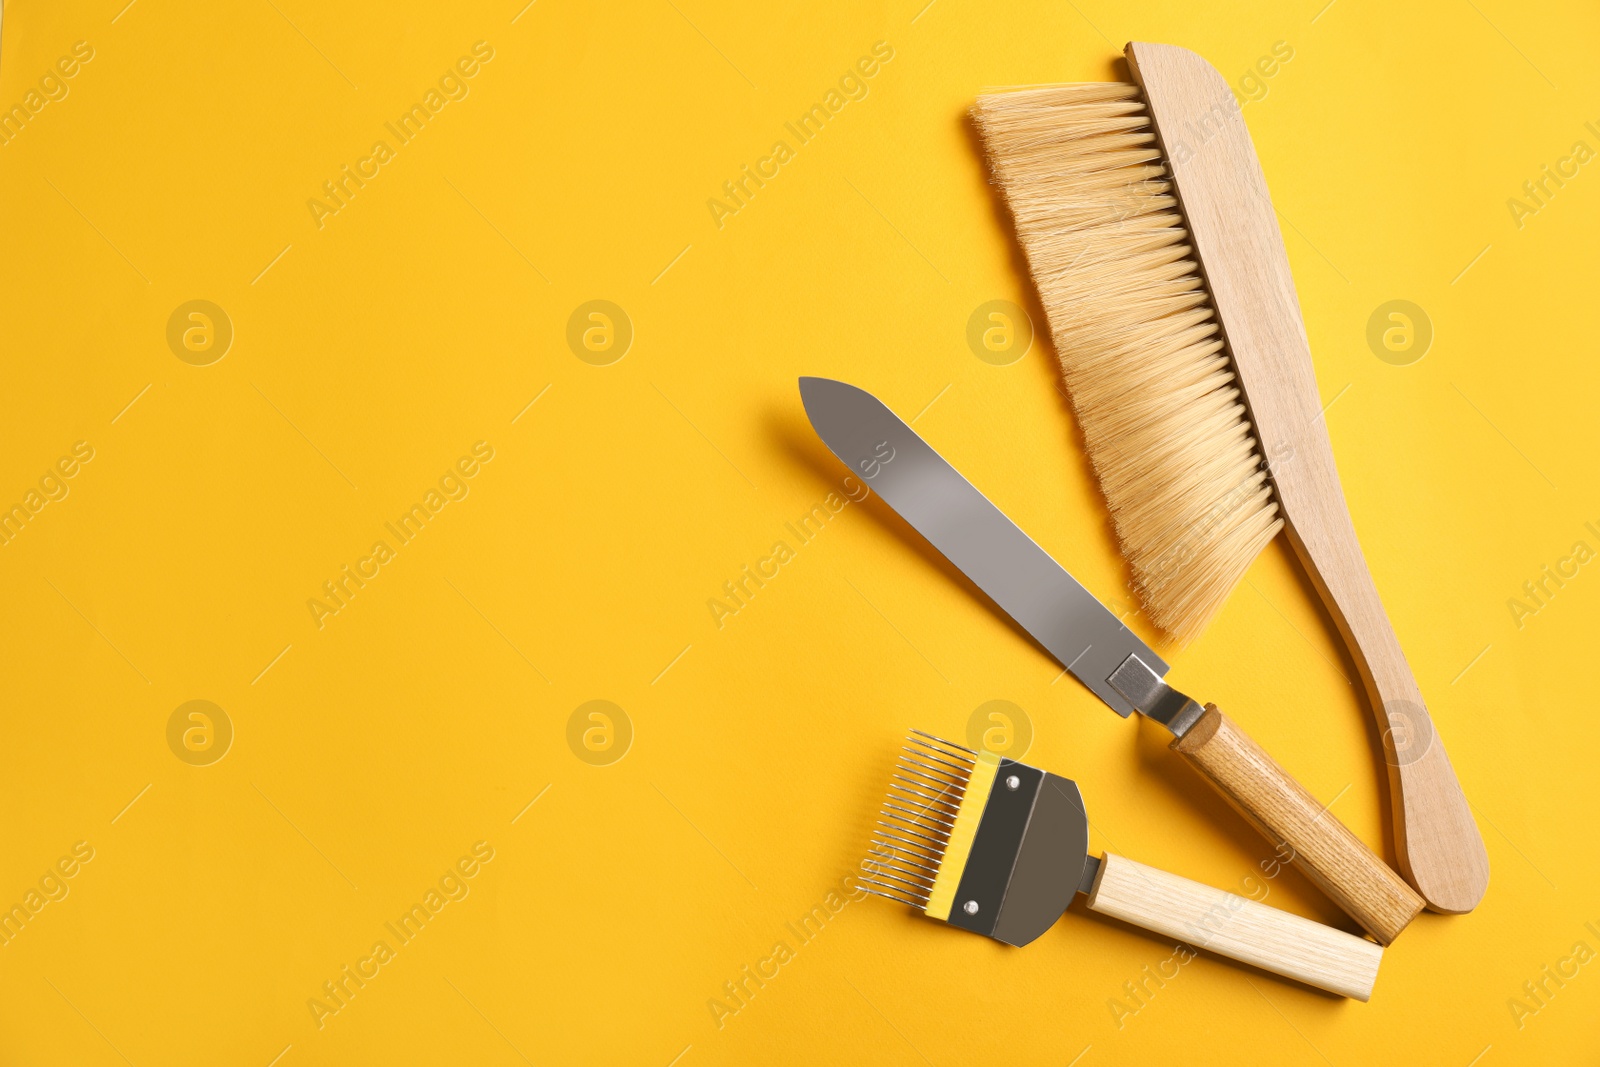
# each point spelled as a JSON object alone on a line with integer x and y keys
{"x": 1289, "y": 816}
{"x": 1230, "y": 925}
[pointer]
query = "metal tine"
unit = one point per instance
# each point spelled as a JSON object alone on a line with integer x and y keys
{"x": 890, "y": 821}
{"x": 925, "y": 883}
{"x": 945, "y": 796}
{"x": 888, "y": 894}
{"x": 903, "y": 844}
{"x": 947, "y": 813}
{"x": 957, "y": 754}
{"x": 941, "y": 815}
{"x": 954, "y": 753}
{"x": 894, "y": 888}
{"x": 916, "y": 755}
{"x": 921, "y": 892}
{"x": 935, "y": 805}
{"x": 922, "y": 808}
{"x": 932, "y": 765}
{"x": 895, "y": 827}
{"x": 898, "y": 826}
{"x": 919, "y": 831}
{"x": 903, "y": 854}
{"x": 925, "y": 813}
{"x": 911, "y": 761}
{"x": 964, "y": 773}
{"x": 924, "y": 803}
{"x": 922, "y": 874}
{"x": 961, "y": 777}
{"x": 942, "y": 741}
{"x": 886, "y": 853}
{"x": 921, "y": 805}
{"x": 943, "y": 824}
{"x": 890, "y": 870}
{"x": 911, "y": 824}
{"x": 946, "y": 791}
{"x": 917, "y": 891}
{"x": 898, "y": 857}
{"x": 881, "y": 865}
{"x": 933, "y": 845}
{"x": 950, "y": 792}
{"x": 943, "y": 820}
{"x": 921, "y": 863}
{"x": 936, "y": 739}
{"x": 918, "y": 886}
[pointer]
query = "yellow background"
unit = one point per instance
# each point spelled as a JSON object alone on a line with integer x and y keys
{"x": 424, "y": 717}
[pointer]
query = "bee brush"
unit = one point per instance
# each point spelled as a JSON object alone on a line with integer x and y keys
{"x": 1000, "y": 848}
{"x": 1156, "y": 253}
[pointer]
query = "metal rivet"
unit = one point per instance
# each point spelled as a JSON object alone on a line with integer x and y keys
{"x": 970, "y": 907}
{"x": 1013, "y": 783}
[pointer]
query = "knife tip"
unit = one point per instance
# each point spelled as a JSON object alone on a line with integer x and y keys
{"x": 812, "y": 386}
{"x": 810, "y": 389}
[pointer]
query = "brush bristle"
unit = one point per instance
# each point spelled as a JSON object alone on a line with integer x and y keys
{"x": 1141, "y": 354}
{"x": 908, "y": 844}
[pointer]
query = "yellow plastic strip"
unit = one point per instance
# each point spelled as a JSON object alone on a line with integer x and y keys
{"x": 945, "y": 883}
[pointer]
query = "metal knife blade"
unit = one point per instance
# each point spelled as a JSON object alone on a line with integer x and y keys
{"x": 989, "y": 548}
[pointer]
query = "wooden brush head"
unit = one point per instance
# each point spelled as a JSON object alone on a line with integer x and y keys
{"x": 1141, "y": 352}
{"x": 1143, "y": 323}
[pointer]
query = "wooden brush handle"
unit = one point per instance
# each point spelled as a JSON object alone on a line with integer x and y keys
{"x": 1231, "y": 221}
{"x": 1232, "y": 926}
{"x": 1281, "y": 808}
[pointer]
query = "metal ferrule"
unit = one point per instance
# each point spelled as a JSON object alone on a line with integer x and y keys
{"x": 1153, "y": 697}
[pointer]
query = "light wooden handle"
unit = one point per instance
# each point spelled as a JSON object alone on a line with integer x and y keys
{"x": 1232, "y": 926}
{"x": 1218, "y": 181}
{"x": 1281, "y": 808}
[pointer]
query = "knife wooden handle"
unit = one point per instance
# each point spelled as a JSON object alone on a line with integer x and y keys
{"x": 1232, "y": 926}
{"x": 1281, "y": 808}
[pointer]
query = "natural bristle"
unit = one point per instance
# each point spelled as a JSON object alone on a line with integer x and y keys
{"x": 913, "y": 829}
{"x": 1141, "y": 353}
